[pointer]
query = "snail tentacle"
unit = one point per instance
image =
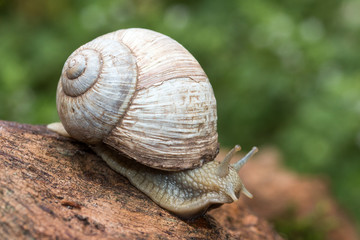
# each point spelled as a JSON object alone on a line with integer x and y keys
{"x": 242, "y": 161}
{"x": 246, "y": 192}
{"x": 223, "y": 168}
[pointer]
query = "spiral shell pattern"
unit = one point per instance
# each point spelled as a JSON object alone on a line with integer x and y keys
{"x": 143, "y": 94}
{"x": 94, "y": 90}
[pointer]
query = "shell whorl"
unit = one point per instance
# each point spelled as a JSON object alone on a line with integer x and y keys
{"x": 81, "y": 71}
{"x": 108, "y": 69}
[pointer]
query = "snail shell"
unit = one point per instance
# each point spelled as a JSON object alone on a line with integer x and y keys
{"x": 144, "y": 95}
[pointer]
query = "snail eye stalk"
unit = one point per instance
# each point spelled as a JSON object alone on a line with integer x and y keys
{"x": 223, "y": 168}
{"x": 242, "y": 161}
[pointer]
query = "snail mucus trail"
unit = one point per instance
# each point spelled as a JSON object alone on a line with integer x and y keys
{"x": 142, "y": 94}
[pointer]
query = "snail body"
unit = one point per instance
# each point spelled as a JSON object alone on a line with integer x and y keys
{"x": 187, "y": 193}
{"x": 141, "y": 94}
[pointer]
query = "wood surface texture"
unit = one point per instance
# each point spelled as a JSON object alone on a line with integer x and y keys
{"x": 52, "y": 187}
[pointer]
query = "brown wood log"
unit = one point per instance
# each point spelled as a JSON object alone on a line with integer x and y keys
{"x": 52, "y": 187}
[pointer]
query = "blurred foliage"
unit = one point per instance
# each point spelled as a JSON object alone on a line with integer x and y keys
{"x": 285, "y": 74}
{"x": 312, "y": 227}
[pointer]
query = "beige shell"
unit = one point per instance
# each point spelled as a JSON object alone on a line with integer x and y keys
{"x": 143, "y": 94}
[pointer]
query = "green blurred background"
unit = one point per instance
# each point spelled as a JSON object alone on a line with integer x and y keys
{"x": 285, "y": 74}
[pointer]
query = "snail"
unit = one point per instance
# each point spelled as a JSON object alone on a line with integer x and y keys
{"x": 140, "y": 94}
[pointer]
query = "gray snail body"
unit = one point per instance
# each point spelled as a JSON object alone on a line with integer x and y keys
{"x": 187, "y": 193}
{"x": 141, "y": 94}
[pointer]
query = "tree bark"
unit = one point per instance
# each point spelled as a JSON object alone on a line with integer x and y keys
{"x": 52, "y": 187}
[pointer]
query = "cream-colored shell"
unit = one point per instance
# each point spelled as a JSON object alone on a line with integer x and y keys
{"x": 143, "y": 94}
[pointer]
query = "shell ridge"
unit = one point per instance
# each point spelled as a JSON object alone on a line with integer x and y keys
{"x": 132, "y": 97}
